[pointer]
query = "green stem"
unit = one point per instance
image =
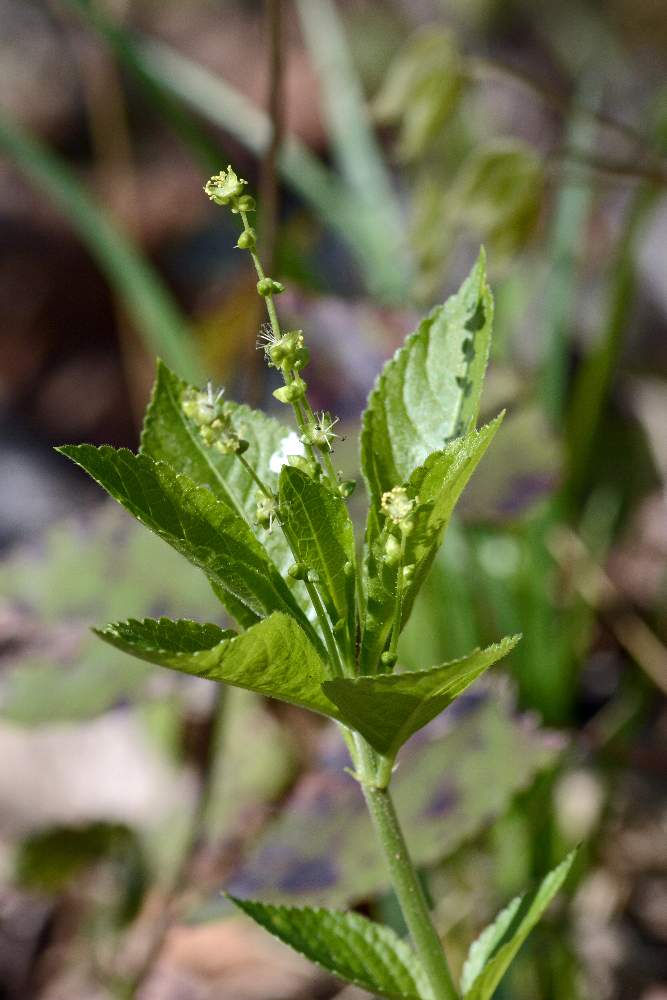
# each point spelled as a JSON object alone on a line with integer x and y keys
{"x": 251, "y": 472}
{"x": 405, "y": 880}
{"x": 398, "y": 606}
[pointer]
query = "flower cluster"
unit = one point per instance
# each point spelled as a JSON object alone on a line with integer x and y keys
{"x": 208, "y": 411}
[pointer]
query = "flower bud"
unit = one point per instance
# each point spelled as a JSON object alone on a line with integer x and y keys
{"x": 388, "y": 660}
{"x": 288, "y": 352}
{"x": 247, "y": 240}
{"x": 408, "y": 574}
{"x": 231, "y": 444}
{"x": 246, "y": 203}
{"x": 267, "y": 286}
{"x": 347, "y": 488}
{"x": 392, "y": 551}
{"x": 297, "y": 571}
{"x": 291, "y": 393}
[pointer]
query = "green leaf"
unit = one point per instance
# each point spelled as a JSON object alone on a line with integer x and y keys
{"x": 493, "y": 951}
{"x": 422, "y": 89}
{"x": 168, "y": 436}
{"x": 206, "y": 531}
{"x": 354, "y": 948}
{"x": 273, "y": 657}
{"x": 429, "y": 392}
{"x": 436, "y": 487}
{"x": 318, "y": 521}
{"x": 387, "y": 709}
{"x": 151, "y": 307}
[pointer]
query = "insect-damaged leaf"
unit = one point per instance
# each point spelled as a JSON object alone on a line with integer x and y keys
{"x": 493, "y": 951}
{"x": 429, "y": 392}
{"x": 273, "y": 657}
{"x": 388, "y": 708}
{"x": 208, "y": 532}
{"x": 358, "y": 950}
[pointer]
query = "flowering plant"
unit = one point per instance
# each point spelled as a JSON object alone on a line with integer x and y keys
{"x": 262, "y": 511}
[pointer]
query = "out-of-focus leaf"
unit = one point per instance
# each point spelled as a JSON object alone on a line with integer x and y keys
{"x": 157, "y": 317}
{"x": 455, "y": 777}
{"x": 273, "y": 658}
{"x": 208, "y": 532}
{"x": 497, "y": 195}
{"x": 493, "y": 951}
{"x": 105, "y": 569}
{"x": 351, "y": 946}
{"x": 422, "y": 89}
{"x": 48, "y": 860}
{"x": 387, "y": 709}
{"x": 429, "y": 392}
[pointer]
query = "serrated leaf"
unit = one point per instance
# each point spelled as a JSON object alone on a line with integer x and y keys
{"x": 350, "y": 946}
{"x": 320, "y": 525}
{"x": 429, "y": 392}
{"x": 205, "y": 530}
{"x": 169, "y": 436}
{"x": 493, "y": 951}
{"x": 387, "y": 709}
{"x": 436, "y": 487}
{"x": 273, "y": 657}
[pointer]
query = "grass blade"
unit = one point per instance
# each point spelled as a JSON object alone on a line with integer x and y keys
{"x": 157, "y": 317}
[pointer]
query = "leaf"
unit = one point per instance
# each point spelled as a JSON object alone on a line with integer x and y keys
{"x": 153, "y": 310}
{"x": 168, "y": 436}
{"x": 273, "y": 657}
{"x": 493, "y": 951}
{"x": 206, "y": 531}
{"x": 429, "y": 392}
{"x": 436, "y": 487}
{"x": 350, "y": 946}
{"x": 323, "y": 535}
{"x": 387, "y": 709}
{"x": 422, "y": 89}
{"x": 102, "y": 568}
{"x": 320, "y": 850}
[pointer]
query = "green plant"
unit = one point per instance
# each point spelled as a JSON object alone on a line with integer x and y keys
{"x": 262, "y": 511}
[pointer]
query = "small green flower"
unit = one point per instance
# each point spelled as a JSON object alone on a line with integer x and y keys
{"x": 322, "y": 434}
{"x": 397, "y": 505}
{"x": 267, "y": 511}
{"x": 203, "y": 407}
{"x": 224, "y": 187}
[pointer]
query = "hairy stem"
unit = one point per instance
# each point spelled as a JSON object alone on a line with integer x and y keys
{"x": 405, "y": 879}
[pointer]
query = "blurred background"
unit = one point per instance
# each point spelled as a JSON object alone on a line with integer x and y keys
{"x": 386, "y": 140}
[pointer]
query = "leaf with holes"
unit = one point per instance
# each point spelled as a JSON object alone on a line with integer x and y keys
{"x": 429, "y": 392}
{"x": 350, "y": 946}
{"x": 207, "y": 531}
{"x": 493, "y": 951}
